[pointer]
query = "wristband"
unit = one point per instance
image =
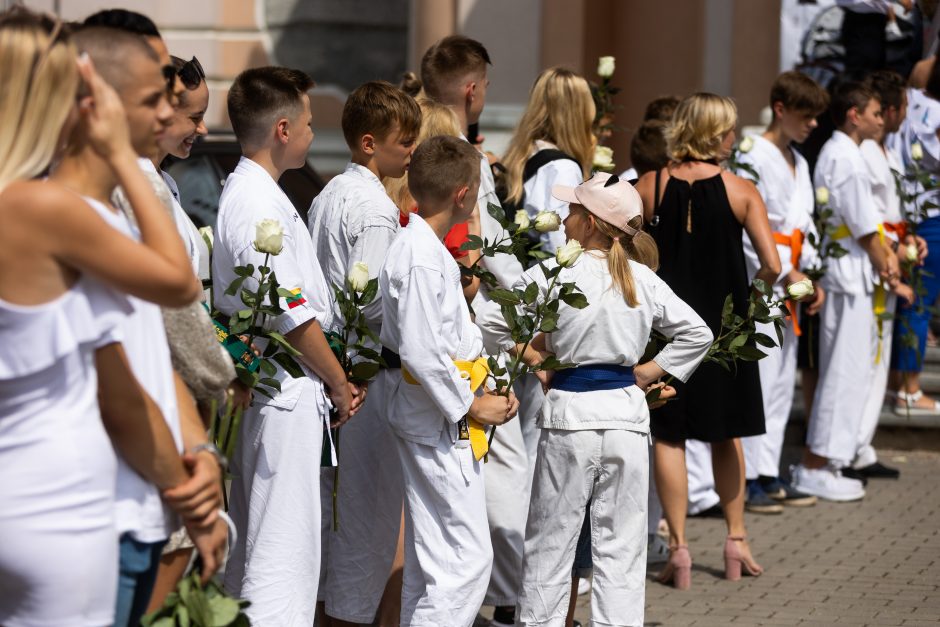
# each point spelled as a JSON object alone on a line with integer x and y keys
{"x": 211, "y": 448}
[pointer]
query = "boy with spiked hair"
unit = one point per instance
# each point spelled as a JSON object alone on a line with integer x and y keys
{"x": 354, "y": 221}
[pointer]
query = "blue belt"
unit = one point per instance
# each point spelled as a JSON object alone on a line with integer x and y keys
{"x": 593, "y": 377}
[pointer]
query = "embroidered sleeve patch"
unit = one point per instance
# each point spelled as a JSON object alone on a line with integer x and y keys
{"x": 296, "y": 299}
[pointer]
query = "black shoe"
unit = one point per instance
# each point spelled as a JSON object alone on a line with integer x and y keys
{"x": 878, "y": 471}
{"x": 714, "y": 511}
{"x": 851, "y": 473}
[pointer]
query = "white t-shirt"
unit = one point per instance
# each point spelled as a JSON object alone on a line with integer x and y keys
{"x": 538, "y": 192}
{"x": 140, "y": 510}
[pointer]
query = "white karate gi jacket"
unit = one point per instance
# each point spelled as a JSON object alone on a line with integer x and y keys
{"x": 843, "y": 171}
{"x": 789, "y": 198}
{"x": 608, "y": 331}
{"x": 251, "y": 195}
{"x": 427, "y": 322}
{"x": 351, "y": 220}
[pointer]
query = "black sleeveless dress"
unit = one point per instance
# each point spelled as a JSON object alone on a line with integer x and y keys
{"x": 702, "y": 260}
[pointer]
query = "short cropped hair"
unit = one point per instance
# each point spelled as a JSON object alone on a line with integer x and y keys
{"x": 261, "y": 96}
{"x": 122, "y": 19}
{"x": 846, "y": 96}
{"x": 888, "y": 86}
{"x": 439, "y": 166}
{"x": 698, "y": 126}
{"x": 448, "y": 60}
{"x": 110, "y": 49}
{"x": 375, "y": 108}
{"x": 661, "y": 108}
{"x": 648, "y": 147}
{"x": 798, "y": 92}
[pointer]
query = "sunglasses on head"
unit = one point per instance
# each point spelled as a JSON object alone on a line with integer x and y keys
{"x": 191, "y": 73}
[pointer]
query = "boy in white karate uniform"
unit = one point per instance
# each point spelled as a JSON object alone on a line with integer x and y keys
{"x": 846, "y": 353}
{"x": 882, "y": 162}
{"x": 784, "y": 183}
{"x": 595, "y": 418}
{"x": 425, "y": 320}
{"x": 454, "y": 72}
{"x": 276, "y": 486}
{"x": 354, "y": 221}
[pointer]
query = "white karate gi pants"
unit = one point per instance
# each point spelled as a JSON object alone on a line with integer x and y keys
{"x": 846, "y": 368}
{"x": 610, "y": 467}
{"x": 275, "y": 504}
{"x": 698, "y": 466}
{"x": 865, "y": 454}
{"x": 777, "y": 378}
{"x": 508, "y": 480}
{"x": 507, "y": 504}
{"x": 654, "y": 507}
{"x": 448, "y": 554}
{"x": 359, "y": 554}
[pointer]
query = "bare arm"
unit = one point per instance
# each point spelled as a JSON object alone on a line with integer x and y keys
{"x": 748, "y": 206}
{"x": 134, "y": 422}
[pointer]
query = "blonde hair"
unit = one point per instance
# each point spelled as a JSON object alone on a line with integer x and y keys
{"x": 436, "y": 119}
{"x": 622, "y": 248}
{"x": 698, "y": 126}
{"x": 561, "y": 111}
{"x": 38, "y": 84}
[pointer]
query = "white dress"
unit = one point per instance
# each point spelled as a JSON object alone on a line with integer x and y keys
{"x": 58, "y": 540}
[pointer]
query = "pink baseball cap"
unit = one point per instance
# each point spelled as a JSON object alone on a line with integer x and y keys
{"x": 607, "y": 197}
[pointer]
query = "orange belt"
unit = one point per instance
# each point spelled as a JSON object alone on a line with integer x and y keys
{"x": 898, "y": 228}
{"x": 793, "y": 241}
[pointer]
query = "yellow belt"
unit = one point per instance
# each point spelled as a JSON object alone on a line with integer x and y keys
{"x": 475, "y": 372}
{"x": 880, "y": 297}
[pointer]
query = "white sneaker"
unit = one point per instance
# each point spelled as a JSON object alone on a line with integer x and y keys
{"x": 826, "y": 483}
{"x": 584, "y": 586}
{"x": 657, "y": 550}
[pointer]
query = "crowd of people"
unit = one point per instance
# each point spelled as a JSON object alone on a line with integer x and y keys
{"x": 114, "y": 367}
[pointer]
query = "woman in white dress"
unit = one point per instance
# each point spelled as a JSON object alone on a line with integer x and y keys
{"x": 58, "y": 557}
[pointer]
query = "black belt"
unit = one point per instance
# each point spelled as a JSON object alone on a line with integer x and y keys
{"x": 392, "y": 359}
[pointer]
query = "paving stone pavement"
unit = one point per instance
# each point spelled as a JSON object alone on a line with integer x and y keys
{"x": 873, "y": 562}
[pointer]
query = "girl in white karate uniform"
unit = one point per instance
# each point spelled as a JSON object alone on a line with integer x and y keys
{"x": 595, "y": 418}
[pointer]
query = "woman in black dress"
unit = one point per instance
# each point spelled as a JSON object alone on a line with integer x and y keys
{"x": 696, "y": 211}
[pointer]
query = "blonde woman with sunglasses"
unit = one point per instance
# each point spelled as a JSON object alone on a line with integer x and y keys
{"x": 59, "y": 345}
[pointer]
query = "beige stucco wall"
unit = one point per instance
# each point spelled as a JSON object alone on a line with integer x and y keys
{"x": 662, "y": 47}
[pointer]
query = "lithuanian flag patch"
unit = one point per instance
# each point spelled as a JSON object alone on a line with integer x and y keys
{"x": 296, "y": 299}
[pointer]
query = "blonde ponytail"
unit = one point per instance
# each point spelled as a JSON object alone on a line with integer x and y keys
{"x": 639, "y": 247}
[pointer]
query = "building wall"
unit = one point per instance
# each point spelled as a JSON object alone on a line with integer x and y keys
{"x": 664, "y": 47}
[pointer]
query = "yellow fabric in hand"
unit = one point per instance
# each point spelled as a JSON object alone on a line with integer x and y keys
{"x": 475, "y": 372}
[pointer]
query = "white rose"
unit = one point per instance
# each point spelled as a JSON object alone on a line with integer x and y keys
{"x": 746, "y": 145}
{"x": 800, "y": 289}
{"x": 547, "y": 221}
{"x": 522, "y": 219}
{"x": 912, "y": 253}
{"x": 569, "y": 253}
{"x": 603, "y": 158}
{"x": 605, "y": 67}
{"x": 269, "y": 237}
{"x": 358, "y": 278}
{"x": 917, "y": 151}
{"x": 822, "y": 196}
